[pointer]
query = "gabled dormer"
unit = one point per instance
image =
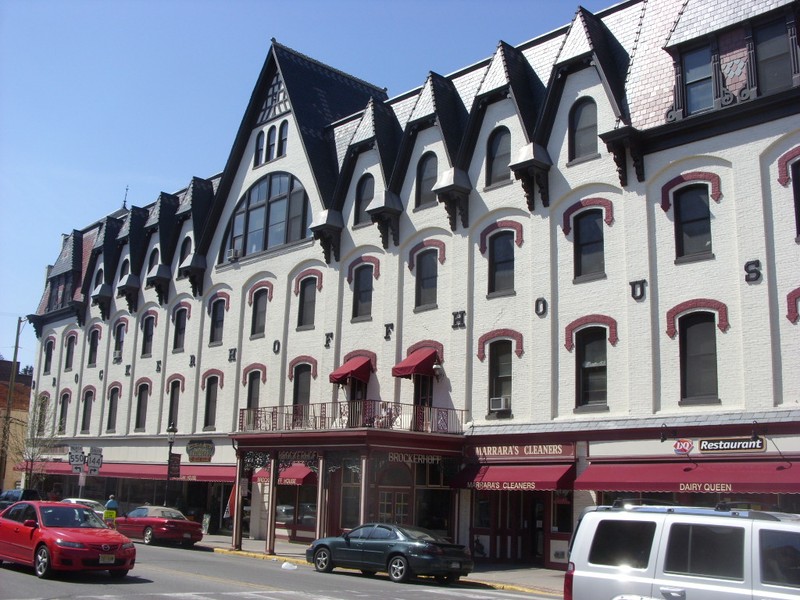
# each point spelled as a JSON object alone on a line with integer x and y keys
{"x": 163, "y": 221}
{"x": 106, "y": 249}
{"x": 134, "y": 235}
{"x": 195, "y": 206}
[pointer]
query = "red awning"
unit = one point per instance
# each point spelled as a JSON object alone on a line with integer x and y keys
{"x": 735, "y": 477}
{"x": 297, "y": 474}
{"x": 147, "y": 471}
{"x": 515, "y": 477}
{"x": 208, "y": 473}
{"x": 358, "y": 367}
{"x": 419, "y": 362}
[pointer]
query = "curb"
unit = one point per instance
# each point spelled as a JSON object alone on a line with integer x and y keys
{"x": 299, "y": 561}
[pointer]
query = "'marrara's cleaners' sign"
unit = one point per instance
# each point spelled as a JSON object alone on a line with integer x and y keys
{"x": 501, "y": 453}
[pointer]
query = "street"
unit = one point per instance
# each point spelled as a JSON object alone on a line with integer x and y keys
{"x": 169, "y": 572}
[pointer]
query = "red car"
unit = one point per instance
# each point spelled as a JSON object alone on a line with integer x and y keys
{"x": 53, "y": 536}
{"x": 160, "y": 524}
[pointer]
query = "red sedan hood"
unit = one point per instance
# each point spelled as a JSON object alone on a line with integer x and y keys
{"x": 89, "y": 536}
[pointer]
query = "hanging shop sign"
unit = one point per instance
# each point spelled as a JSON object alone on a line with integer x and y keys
{"x": 200, "y": 450}
{"x": 731, "y": 445}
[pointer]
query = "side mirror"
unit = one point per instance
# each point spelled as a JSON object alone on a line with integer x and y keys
{"x": 30, "y": 523}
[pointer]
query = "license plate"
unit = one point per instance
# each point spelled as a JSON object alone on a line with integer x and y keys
{"x": 455, "y": 565}
{"x": 187, "y": 535}
{"x": 107, "y": 559}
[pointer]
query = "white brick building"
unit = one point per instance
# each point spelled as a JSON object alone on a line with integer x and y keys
{"x": 556, "y": 277}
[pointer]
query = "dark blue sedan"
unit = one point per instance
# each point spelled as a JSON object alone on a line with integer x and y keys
{"x": 402, "y": 551}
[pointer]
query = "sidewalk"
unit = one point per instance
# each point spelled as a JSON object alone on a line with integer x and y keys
{"x": 496, "y": 575}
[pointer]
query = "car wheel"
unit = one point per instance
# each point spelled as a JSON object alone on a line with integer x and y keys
{"x": 322, "y": 560}
{"x": 41, "y": 562}
{"x": 118, "y": 574}
{"x": 367, "y": 573}
{"x": 147, "y": 537}
{"x": 398, "y": 569}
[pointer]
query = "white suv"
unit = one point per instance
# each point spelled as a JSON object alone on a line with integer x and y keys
{"x": 683, "y": 553}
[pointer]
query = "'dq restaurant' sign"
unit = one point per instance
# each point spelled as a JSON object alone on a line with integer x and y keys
{"x": 684, "y": 446}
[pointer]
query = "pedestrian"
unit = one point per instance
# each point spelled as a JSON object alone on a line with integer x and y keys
{"x": 112, "y": 503}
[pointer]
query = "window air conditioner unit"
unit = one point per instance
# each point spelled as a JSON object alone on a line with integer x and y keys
{"x": 117, "y": 356}
{"x": 500, "y": 403}
{"x": 234, "y": 254}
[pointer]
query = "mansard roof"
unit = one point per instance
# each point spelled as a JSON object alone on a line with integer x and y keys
{"x": 69, "y": 260}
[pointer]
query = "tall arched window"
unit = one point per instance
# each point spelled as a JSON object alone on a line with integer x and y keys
{"x": 272, "y": 213}
{"x": 500, "y": 380}
{"x": 498, "y": 156}
{"x": 70, "y": 353}
{"x": 302, "y": 385}
{"x": 217, "y": 321}
{"x": 308, "y": 302}
{"x": 501, "y": 262}
{"x": 258, "y": 324}
{"x": 271, "y": 143}
{"x": 125, "y": 268}
{"x": 365, "y": 191}
{"x": 583, "y": 129}
{"x": 283, "y": 136}
{"x": 588, "y": 243}
{"x": 692, "y": 222}
{"x": 426, "y": 279}
{"x": 148, "y": 327}
{"x": 210, "y": 419}
{"x": 119, "y": 341}
{"x": 86, "y": 421}
{"x": 427, "y": 172}
{"x": 258, "y": 153}
{"x": 153, "y": 261}
{"x": 253, "y": 389}
{"x": 362, "y": 292}
{"x": 48, "y": 356}
{"x": 142, "y": 396}
{"x": 113, "y": 401}
{"x": 94, "y": 342}
{"x": 698, "y": 346}
{"x": 98, "y": 278}
{"x": 591, "y": 366}
{"x": 174, "y": 401}
{"x": 62, "y": 413}
{"x": 186, "y": 248}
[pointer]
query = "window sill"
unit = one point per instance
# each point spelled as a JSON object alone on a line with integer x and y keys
{"x": 425, "y": 206}
{"x": 692, "y": 258}
{"x": 797, "y": 240}
{"x": 363, "y": 225}
{"x": 498, "y": 184}
{"x": 91, "y": 365}
{"x": 361, "y": 319}
{"x": 583, "y": 159}
{"x": 210, "y": 428}
{"x": 111, "y": 431}
{"x": 590, "y": 408}
{"x": 138, "y": 430}
{"x": 499, "y": 414}
{"x": 214, "y": 344}
{"x": 177, "y": 350}
{"x": 84, "y": 431}
{"x": 305, "y": 328}
{"x": 425, "y": 308}
{"x": 146, "y": 356}
{"x": 699, "y": 401}
{"x": 590, "y": 277}
{"x": 500, "y": 294}
{"x": 257, "y": 336}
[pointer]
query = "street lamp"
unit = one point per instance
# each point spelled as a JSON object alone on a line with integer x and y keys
{"x": 171, "y": 431}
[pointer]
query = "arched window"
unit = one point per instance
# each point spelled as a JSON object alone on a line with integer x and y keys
{"x": 498, "y": 157}
{"x": 583, "y": 129}
{"x": 142, "y": 396}
{"x": 179, "y": 335}
{"x": 113, "y": 401}
{"x": 796, "y": 186}
{"x": 174, "y": 401}
{"x": 98, "y": 278}
{"x": 62, "y": 414}
{"x": 48, "y": 356}
{"x": 500, "y": 380}
{"x": 362, "y": 292}
{"x": 119, "y": 341}
{"x": 88, "y": 400}
{"x": 588, "y": 243}
{"x": 271, "y": 143}
{"x": 427, "y": 173}
{"x": 365, "y": 191}
{"x": 258, "y": 153}
{"x": 426, "y": 280}
{"x": 40, "y": 418}
{"x": 210, "y": 419}
{"x": 692, "y": 222}
{"x": 698, "y": 346}
{"x": 283, "y": 136}
{"x": 186, "y": 248}
{"x": 302, "y": 385}
{"x": 94, "y": 342}
{"x": 253, "y": 389}
{"x": 70, "y": 353}
{"x": 153, "y": 261}
{"x": 217, "y": 321}
{"x": 147, "y": 335}
{"x": 258, "y": 324}
{"x": 272, "y": 213}
{"x": 591, "y": 366}
{"x": 124, "y": 269}
{"x": 308, "y": 302}
{"x": 501, "y": 262}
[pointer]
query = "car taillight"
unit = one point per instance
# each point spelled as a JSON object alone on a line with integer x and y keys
{"x": 568, "y": 581}
{"x": 431, "y": 549}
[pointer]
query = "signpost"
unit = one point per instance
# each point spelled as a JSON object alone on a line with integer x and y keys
{"x": 95, "y": 460}
{"x": 77, "y": 458}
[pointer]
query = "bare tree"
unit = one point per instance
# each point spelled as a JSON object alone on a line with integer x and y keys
{"x": 31, "y": 442}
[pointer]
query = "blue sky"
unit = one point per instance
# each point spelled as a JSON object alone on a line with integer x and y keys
{"x": 97, "y": 96}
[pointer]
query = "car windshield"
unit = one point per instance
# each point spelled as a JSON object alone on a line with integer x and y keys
{"x": 423, "y": 535}
{"x": 71, "y": 516}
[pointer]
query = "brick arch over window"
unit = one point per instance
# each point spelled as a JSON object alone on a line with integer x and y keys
{"x": 303, "y": 359}
{"x": 124, "y": 321}
{"x": 179, "y": 306}
{"x": 66, "y": 391}
{"x": 694, "y": 177}
{"x": 503, "y": 224}
{"x": 500, "y": 333}
{"x": 424, "y": 245}
{"x": 150, "y": 313}
{"x": 176, "y": 377}
{"x": 261, "y": 285}
{"x": 373, "y": 358}
{"x": 89, "y": 388}
{"x": 144, "y": 381}
{"x": 438, "y": 346}
{"x": 44, "y": 396}
{"x": 98, "y": 328}
{"x": 51, "y": 339}
{"x": 260, "y": 367}
{"x": 792, "y": 299}
{"x": 71, "y": 334}
{"x": 606, "y": 321}
{"x": 212, "y": 373}
{"x": 697, "y": 304}
{"x": 217, "y": 296}
{"x": 307, "y": 273}
{"x": 115, "y": 385}
{"x": 606, "y": 205}
{"x": 783, "y": 165}
{"x": 376, "y": 267}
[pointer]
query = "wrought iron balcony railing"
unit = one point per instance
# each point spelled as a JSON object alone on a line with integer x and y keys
{"x": 352, "y": 415}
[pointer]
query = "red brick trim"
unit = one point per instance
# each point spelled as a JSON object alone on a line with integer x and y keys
{"x": 179, "y": 306}
{"x": 424, "y": 245}
{"x": 176, "y": 377}
{"x": 307, "y": 273}
{"x": 261, "y": 285}
{"x": 500, "y": 333}
{"x": 695, "y": 305}
{"x": 66, "y": 391}
{"x": 220, "y": 295}
{"x": 582, "y": 322}
{"x": 150, "y": 313}
{"x": 143, "y": 381}
{"x": 438, "y": 346}
{"x": 212, "y": 373}
{"x": 376, "y": 267}
{"x": 502, "y": 224}
{"x": 792, "y": 299}
{"x": 606, "y": 205}
{"x": 783, "y": 165}
{"x": 124, "y": 321}
{"x": 71, "y": 334}
{"x": 96, "y": 327}
{"x": 304, "y": 358}
{"x": 115, "y": 385}
{"x": 262, "y": 368}
{"x": 373, "y": 358}
{"x": 696, "y": 176}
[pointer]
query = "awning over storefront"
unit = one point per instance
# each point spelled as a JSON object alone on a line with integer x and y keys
{"x": 295, "y": 474}
{"x": 419, "y": 362}
{"x": 146, "y": 471}
{"x": 515, "y": 477}
{"x": 208, "y": 473}
{"x": 736, "y": 477}
{"x": 358, "y": 367}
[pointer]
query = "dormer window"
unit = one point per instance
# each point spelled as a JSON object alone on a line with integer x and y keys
{"x": 698, "y": 81}
{"x": 773, "y": 58}
{"x": 276, "y": 102}
{"x": 258, "y": 154}
{"x": 583, "y": 130}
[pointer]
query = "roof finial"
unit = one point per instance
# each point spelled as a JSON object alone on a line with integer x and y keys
{"x": 125, "y": 199}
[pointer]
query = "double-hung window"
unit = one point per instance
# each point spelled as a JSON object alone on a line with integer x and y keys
{"x": 692, "y": 222}
{"x": 698, "y": 347}
{"x": 362, "y": 292}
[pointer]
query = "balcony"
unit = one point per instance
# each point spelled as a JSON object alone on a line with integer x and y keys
{"x": 374, "y": 414}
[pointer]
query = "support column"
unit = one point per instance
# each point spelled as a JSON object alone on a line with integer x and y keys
{"x": 236, "y": 539}
{"x": 322, "y": 490}
{"x": 364, "y": 492}
{"x": 271, "y": 501}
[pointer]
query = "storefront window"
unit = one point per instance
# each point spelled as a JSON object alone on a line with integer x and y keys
{"x": 429, "y": 474}
{"x": 562, "y": 512}
{"x": 482, "y": 506}
{"x": 349, "y": 507}
{"x": 433, "y": 510}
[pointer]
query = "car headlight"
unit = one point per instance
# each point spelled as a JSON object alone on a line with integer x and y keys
{"x": 68, "y": 544}
{"x": 127, "y": 546}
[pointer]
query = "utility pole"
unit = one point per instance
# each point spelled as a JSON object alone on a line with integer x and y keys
{"x": 9, "y": 406}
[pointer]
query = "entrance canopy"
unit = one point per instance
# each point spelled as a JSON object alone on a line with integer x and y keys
{"x": 737, "y": 477}
{"x": 145, "y": 471}
{"x": 358, "y": 367}
{"x": 294, "y": 474}
{"x": 419, "y": 362}
{"x": 515, "y": 477}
